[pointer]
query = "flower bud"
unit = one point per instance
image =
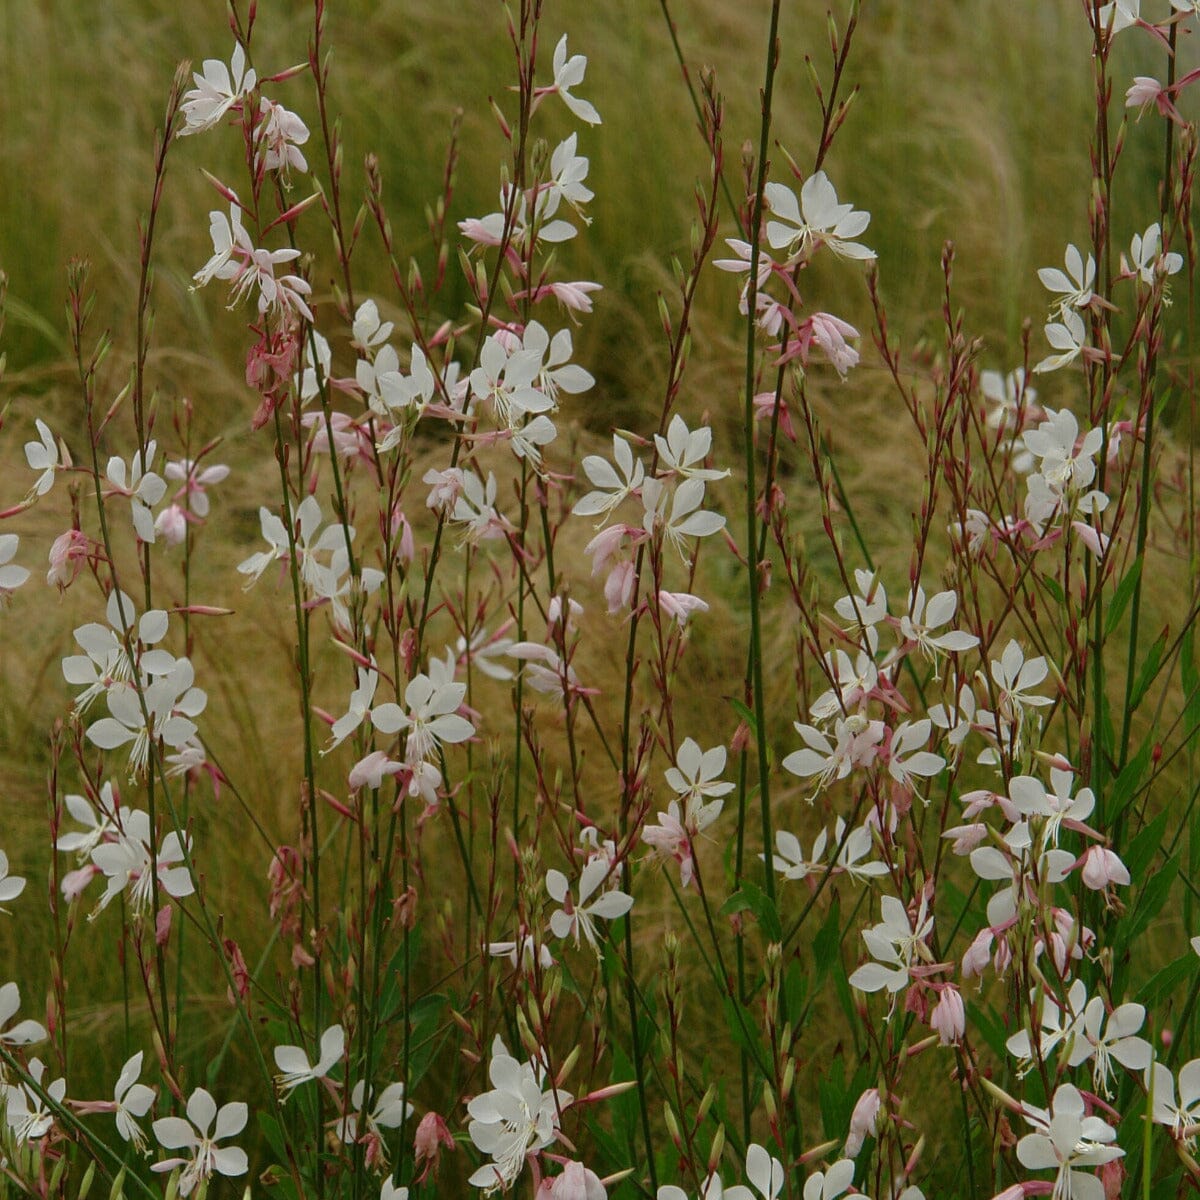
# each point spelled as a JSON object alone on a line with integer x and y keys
{"x": 863, "y": 1121}
{"x": 948, "y": 1019}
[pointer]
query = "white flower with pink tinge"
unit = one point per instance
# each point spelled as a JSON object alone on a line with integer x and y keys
{"x": 217, "y": 90}
{"x": 515, "y": 1119}
{"x": 1066, "y": 1140}
{"x": 205, "y": 1156}
{"x": 431, "y": 717}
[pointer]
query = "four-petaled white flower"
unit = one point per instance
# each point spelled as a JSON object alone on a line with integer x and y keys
{"x": 23, "y": 1033}
{"x": 205, "y": 1156}
{"x": 11, "y": 886}
{"x": 1181, "y": 1115}
{"x": 1074, "y": 287}
{"x": 42, "y": 456}
{"x": 893, "y": 943}
{"x": 431, "y": 717}
{"x": 1066, "y": 1140}
{"x": 578, "y": 915}
{"x": 29, "y": 1116}
{"x": 293, "y": 1064}
{"x": 129, "y": 864}
{"x": 217, "y": 90}
{"x": 1068, "y": 336}
{"x": 568, "y": 73}
{"x": 11, "y": 574}
{"x": 513, "y": 1120}
{"x": 131, "y": 1100}
{"x": 818, "y": 220}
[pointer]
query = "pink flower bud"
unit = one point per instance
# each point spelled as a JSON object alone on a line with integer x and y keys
{"x": 863, "y": 1121}
{"x": 171, "y": 525}
{"x": 1102, "y": 867}
{"x": 432, "y": 1134}
{"x": 618, "y": 587}
{"x": 575, "y": 1183}
{"x": 73, "y": 883}
{"x": 948, "y": 1019}
{"x": 975, "y": 960}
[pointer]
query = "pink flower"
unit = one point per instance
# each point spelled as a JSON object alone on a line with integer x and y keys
{"x": 830, "y": 333}
{"x": 432, "y": 1134}
{"x": 863, "y": 1121}
{"x": 171, "y": 525}
{"x": 680, "y": 605}
{"x": 618, "y": 587}
{"x": 67, "y": 556}
{"x": 948, "y": 1019}
{"x": 1102, "y": 867}
{"x": 576, "y": 1182}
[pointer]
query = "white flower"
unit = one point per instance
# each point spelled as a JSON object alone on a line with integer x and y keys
{"x": 144, "y": 488}
{"x": 280, "y": 134}
{"x": 82, "y": 844}
{"x": 293, "y": 1064}
{"x": 1179, "y": 1115}
{"x": 686, "y": 519}
{"x": 174, "y": 1133}
{"x": 894, "y": 943}
{"x": 610, "y": 487}
{"x": 11, "y": 886}
{"x": 918, "y": 625}
{"x": 359, "y": 708}
{"x": 1148, "y": 260}
{"x": 1066, "y": 1140}
{"x": 23, "y": 1033}
{"x": 170, "y": 703}
{"x": 818, "y": 219}
{"x": 1068, "y": 337}
{"x": 828, "y": 1185}
{"x": 389, "y": 1111}
{"x": 42, "y": 456}
{"x": 578, "y": 915}
{"x": 568, "y": 73}
{"x": 763, "y": 1171}
{"x": 132, "y": 1100}
{"x": 697, "y": 774}
{"x": 906, "y": 757}
{"x": 127, "y": 862}
{"x": 1117, "y": 1042}
{"x": 28, "y": 1115}
{"x": 1074, "y": 289}
{"x": 789, "y": 859}
{"x": 431, "y": 717}
{"x": 683, "y": 451}
{"x": 11, "y": 575}
{"x": 1120, "y": 14}
{"x": 217, "y": 90}
{"x": 515, "y": 1119}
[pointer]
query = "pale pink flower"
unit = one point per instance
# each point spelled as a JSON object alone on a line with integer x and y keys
{"x": 1102, "y": 867}
{"x": 67, "y": 556}
{"x": 218, "y": 90}
{"x": 863, "y": 1121}
{"x": 948, "y": 1019}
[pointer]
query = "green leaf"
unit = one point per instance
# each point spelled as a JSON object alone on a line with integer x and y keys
{"x": 745, "y": 713}
{"x": 1151, "y": 899}
{"x": 827, "y": 945}
{"x": 1148, "y": 672}
{"x": 1162, "y": 983}
{"x": 1051, "y": 585}
{"x": 1143, "y": 847}
{"x": 753, "y": 898}
{"x": 1121, "y": 597}
{"x": 991, "y": 1029}
{"x": 1126, "y": 786}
